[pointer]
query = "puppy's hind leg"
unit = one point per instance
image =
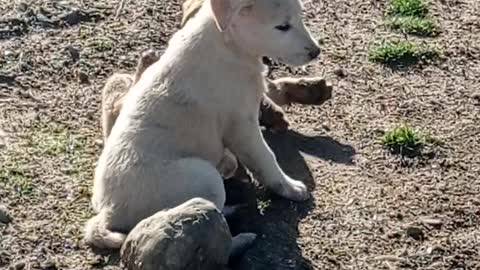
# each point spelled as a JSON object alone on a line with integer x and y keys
{"x": 97, "y": 233}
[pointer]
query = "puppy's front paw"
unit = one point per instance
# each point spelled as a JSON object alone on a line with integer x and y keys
{"x": 295, "y": 190}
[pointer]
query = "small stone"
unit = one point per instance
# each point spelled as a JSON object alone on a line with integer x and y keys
{"x": 3, "y": 139}
{"x": 433, "y": 249}
{"x": 7, "y": 53}
{"x": 476, "y": 96}
{"x": 48, "y": 265}
{"x": 19, "y": 265}
{"x": 415, "y": 233}
{"x": 4, "y": 215}
{"x": 389, "y": 258}
{"x": 73, "y": 17}
{"x": 99, "y": 142}
{"x": 83, "y": 77}
{"x": 74, "y": 53}
{"x": 392, "y": 235}
{"x": 22, "y": 7}
{"x": 340, "y": 72}
{"x": 431, "y": 221}
{"x": 326, "y": 127}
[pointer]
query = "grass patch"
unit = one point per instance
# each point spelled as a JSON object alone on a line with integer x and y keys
{"x": 102, "y": 45}
{"x": 53, "y": 148}
{"x": 402, "y": 140}
{"x": 417, "y": 8}
{"x": 407, "y": 141}
{"x": 415, "y": 25}
{"x": 402, "y": 52}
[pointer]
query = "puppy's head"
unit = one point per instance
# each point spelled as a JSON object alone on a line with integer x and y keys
{"x": 272, "y": 28}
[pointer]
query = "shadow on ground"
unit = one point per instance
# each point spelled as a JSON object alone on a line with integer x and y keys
{"x": 274, "y": 219}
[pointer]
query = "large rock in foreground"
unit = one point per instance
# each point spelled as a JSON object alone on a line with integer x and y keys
{"x": 193, "y": 235}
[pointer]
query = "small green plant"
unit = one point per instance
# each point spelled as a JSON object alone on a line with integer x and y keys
{"x": 402, "y": 138}
{"x": 263, "y": 205}
{"x": 415, "y": 25}
{"x": 407, "y": 141}
{"x": 402, "y": 52}
{"x": 103, "y": 45}
{"x": 417, "y": 8}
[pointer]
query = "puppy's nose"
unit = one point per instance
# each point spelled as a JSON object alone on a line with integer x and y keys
{"x": 314, "y": 52}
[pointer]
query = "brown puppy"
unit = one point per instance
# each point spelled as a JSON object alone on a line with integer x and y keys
{"x": 117, "y": 86}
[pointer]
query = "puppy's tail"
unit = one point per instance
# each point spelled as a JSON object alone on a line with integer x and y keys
{"x": 97, "y": 234}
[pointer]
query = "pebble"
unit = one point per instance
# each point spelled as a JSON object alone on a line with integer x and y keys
{"x": 48, "y": 265}
{"x": 431, "y": 221}
{"x": 340, "y": 72}
{"x": 432, "y": 249}
{"x": 19, "y": 265}
{"x": 99, "y": 142}
{"x": 83, "y": 77}
{"x": 73, "y": 17}
{"x": 7, "y": 53}
{"x": 4, "y": 215}
{"x": 395, "y": 234}
{"x": 415, "y": 233}
{"x": 390, "y": 258}
{"x": 476, "y": 95}
{"x": 3, "y": 139}
{"x": 74, "y": 53}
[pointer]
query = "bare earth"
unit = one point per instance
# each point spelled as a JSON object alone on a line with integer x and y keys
{"x": 370, "y": 209}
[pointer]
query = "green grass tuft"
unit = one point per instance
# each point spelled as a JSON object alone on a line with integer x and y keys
{"x": 407, "y": 141}
{"x": 417, "y": 8}
{"x": 415, "y": 25}
{"x": 402, "y": 52}
{"x": 102, "y": 45}
{"x": 403, "y": 140}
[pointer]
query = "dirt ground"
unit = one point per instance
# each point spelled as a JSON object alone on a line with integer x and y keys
{"x": 369, "y": 209}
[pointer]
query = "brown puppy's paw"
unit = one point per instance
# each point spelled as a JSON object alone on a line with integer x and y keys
{"x": 308, "y": 91}
{"x": 273, "y": 117}
{"x": 147, "y": 58}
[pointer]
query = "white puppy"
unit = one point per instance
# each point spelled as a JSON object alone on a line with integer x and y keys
{"x": 201, "y": 97}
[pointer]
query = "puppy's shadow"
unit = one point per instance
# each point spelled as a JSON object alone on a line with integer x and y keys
{"x": 276, "y": 219}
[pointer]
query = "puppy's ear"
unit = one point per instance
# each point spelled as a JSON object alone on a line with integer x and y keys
{"x": 225, "y": 10}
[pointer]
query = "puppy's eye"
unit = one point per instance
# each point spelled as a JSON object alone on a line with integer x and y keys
{"x": 283, "y": 27}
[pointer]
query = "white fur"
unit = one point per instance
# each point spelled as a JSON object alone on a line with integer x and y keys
{"x": 201, "y": 97}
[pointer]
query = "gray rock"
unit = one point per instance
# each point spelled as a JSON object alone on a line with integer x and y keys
{"x": 193, "y": 235}
{"x": 4, "y": 215}
{"x": 3, "y": 139}
{"x": 415, "y": 233}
